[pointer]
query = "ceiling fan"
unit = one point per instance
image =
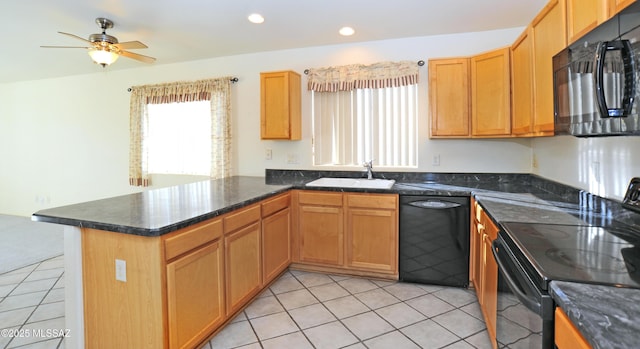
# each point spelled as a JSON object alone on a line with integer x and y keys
{"x": 105, "y": 49}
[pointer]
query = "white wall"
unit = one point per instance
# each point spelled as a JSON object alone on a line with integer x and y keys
{"x": 602, "y": 166}
{"x": 66, "y": 140}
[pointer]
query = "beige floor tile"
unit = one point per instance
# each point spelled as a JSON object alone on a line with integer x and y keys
{"x": 405, "y": 291}
{"x": 480, "y": 340}
{"x": 367, "y": 325}
{"x": 48, "y": 311}
{"x": 240, "y": 317}
{"x": 21, "y": 301}
{"x": 234, "y": 335}
{"x": 296, "y": 299}
{"x": 311, "y": 316}
{"x": 34, "y": 286}
{"x": 357, "y": 285}
{"x": 286, "y": 283}
{"x": 274, "y": 325}
{"x": 457, "y": 297}
{"x": 55, "y": 295}
{"x": 52, "y": 343}
{"x": 311, "y": 279}
{"x": 293, "y": 340}
{"x": 358, "y": 345}
{"x": 5, "y": 290}
{"x": 263, "y": 306}
{"x": 428, "y": 334}
{"x": 338, "y": 278}
{"x": 395, "y": 340}
{"x": 430, "y": 305}
{"x": 328, "y": 291}
{"x": 15, "y": 317}
{"x": 251, "y": 346}
{"x": 39, "y": 327}
{"x": 400, "y": 315}
{"x": 330, "y": 336}
{"x": 460, "y": 345}
{"x": 460, "y": 323}
{"x": 45, "y": 274}
{"x": 377, "y": 298}
{"x": 346, "y": 307}
{"x": 53, "y": 263}
{"x": 474, "y": 310}
{"x": 12, "y": 278}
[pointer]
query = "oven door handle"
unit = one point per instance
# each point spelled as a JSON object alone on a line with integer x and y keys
{"x": 526, "y": 300}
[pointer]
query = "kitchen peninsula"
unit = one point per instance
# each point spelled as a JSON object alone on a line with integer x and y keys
{"x": 153, "y": 222}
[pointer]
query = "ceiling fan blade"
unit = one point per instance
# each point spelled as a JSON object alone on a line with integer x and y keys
{"x": 76, "y": 37}
{"x": 138, "y": 57}
{"x": 66, "y": 47}
{"x": 130, "y": 45}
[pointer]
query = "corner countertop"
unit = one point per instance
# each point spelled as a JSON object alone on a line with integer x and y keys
{"x": 159, "y": 211}
{"x": 606, "y": 316}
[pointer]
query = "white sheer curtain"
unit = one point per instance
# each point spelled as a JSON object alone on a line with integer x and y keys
{"x": 216, "y": 91}
{"x": 365, "y": 112}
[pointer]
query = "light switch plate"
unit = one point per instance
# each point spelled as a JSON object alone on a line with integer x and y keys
{"x": 121, "y": 270}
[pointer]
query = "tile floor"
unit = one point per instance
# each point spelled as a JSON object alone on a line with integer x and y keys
{"x": 312, "y": 310}
{"x": 32, "y": 302}
{"x": 300, "y": 310}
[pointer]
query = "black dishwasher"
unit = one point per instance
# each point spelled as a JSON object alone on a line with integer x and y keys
{"x": 434, "y": 240}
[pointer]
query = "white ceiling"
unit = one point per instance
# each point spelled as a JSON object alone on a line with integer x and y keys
{"x": 185, "y": 30}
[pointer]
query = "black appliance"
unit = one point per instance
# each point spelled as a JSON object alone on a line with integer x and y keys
{"x": 434, "y": 240}
{"x": 596, "y": 88}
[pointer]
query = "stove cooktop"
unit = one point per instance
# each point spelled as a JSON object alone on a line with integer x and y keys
{"x": 577, "y": 253}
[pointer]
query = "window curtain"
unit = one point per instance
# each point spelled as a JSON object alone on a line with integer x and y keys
{"x": 365, "y": 112}
{"x": 217, "y": 91}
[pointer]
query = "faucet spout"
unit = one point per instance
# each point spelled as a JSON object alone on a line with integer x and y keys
{"x": 369, "y": 166}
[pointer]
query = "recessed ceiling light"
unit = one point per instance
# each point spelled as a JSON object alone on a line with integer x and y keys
{"x": 346, "y": 31}
{"x": 256, "y": 18}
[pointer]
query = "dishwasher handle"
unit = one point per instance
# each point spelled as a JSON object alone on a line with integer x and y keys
{"x": 526, "y": 299}
{"x": 434, "y": 204}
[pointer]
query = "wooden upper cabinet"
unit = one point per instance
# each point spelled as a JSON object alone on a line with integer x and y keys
{"x": 616, "y": 6}
{"x": 549, "y": 37}
{"x": 449, "y": 97}
{"x": 491, "y": 94}
{"x": 280, "y": 105}
{"x": 584, "y": 15}
{"x": 522, "y": 85}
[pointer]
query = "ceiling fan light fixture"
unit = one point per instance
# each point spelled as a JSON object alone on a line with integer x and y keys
{"x": 102, "y": 56}
{"x": 256, "y": 18}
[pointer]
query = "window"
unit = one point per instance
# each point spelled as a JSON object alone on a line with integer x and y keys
{"x": 179, "y": 138}
{"x": 180, "y": 128}
{"x": 357, "y": 123}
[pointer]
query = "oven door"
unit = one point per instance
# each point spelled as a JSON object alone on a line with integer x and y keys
{"x": 525, "y": 313}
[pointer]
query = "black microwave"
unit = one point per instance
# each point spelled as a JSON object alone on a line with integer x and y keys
{"x": 596, "y": 88}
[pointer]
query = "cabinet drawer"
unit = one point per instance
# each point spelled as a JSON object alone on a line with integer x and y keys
{"x": 385, "y": 201}
{"x": 192, "y": 237}
{"x": 320, "y": 198}
{"x": 276, "y": 204}
{"x": 241, "y": 218}
{"x": 566, "y": 334}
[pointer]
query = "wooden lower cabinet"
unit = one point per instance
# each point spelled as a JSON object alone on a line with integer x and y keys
{"x": 276, "y": 244}
{"x": 195, "y": 295}
{"x": 566, "y": 335}
{"x": 320, "y": 229}
{"x": 243, "y": 266}
{"x": 372, "y": 232}
{"x": 348, "y": 232}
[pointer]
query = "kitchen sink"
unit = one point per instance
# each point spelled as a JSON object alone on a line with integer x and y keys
{"x": 352, "y": 183}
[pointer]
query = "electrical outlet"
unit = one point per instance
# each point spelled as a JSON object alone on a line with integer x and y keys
{"x": 596, "y": 171}
{"x": 268, "y": 154}
{"x": 534, "y": 161}
{"x": 121, "y": 270}
{"x": 292, "y": 158}
{"x": 436, "y": 160}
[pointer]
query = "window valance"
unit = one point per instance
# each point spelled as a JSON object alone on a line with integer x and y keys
{"x": 360, "y": 76}
{"x": 175, "y": 92}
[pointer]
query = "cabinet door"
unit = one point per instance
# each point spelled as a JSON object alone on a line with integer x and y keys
{"x": 280, "y": 106}
{"x": 522, "y": 85}
{"x": 566, "y": 335}
{"x": 489, "y": 276}
{"x": 195, "y": 295}
{"x": 584, "y": 15}
{"x": 372, "y": 239}
{"x": 549, "y": 37}
{"x": 243, "y": 266}
{"x": 276, "y": 248}
{"x": 491, "y": 94}
{"x": 449, "y": 97}
{"x": 616, "y": 6}
{"x": 321, "y": 236}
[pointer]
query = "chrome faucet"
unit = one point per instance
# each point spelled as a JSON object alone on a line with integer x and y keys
{"x": 369, "y": 166}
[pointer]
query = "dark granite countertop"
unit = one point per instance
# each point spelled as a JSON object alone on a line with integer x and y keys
{"x": 606, "y": 316}
{"x": 160, "y": 211}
